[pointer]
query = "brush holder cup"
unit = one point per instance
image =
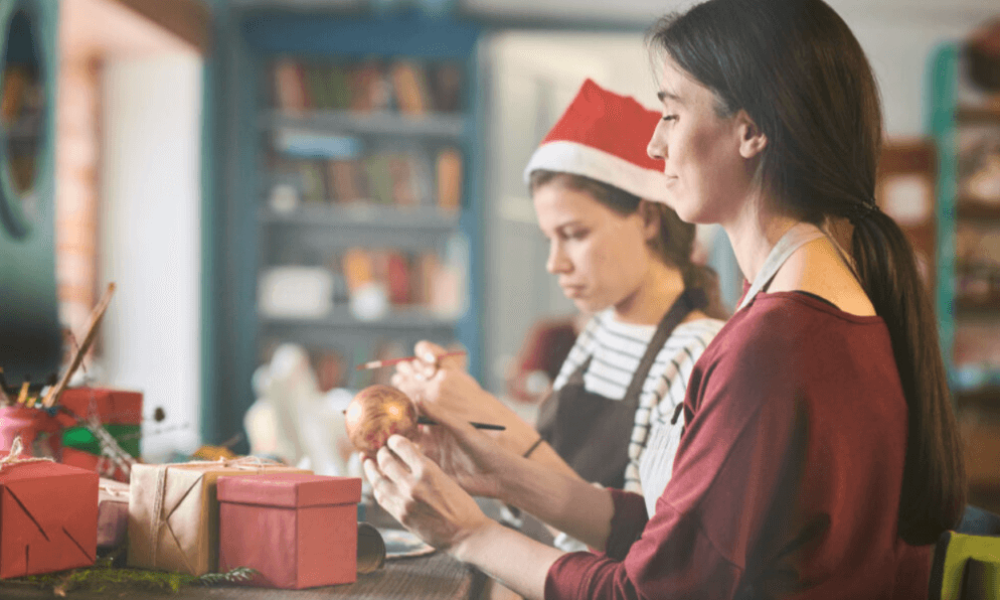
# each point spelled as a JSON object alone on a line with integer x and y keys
{"x": 39, "y": 431}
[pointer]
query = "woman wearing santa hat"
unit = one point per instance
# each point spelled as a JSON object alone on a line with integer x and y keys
{"x": 623, "y": 256}
{"x": 821, "y": 457}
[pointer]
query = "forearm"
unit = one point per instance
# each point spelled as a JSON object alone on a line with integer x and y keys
{"x": 561, "y": 500}
{"x": 510, "y": 557}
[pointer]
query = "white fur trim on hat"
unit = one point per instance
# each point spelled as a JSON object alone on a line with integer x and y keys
{"x": 579, "y": 159}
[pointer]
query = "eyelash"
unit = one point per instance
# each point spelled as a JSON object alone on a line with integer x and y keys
{"x": 670, "y": 118}
{"x": 576, "y": 235}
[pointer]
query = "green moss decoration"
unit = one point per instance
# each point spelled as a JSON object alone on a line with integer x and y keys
{"x": 102, "y": 576}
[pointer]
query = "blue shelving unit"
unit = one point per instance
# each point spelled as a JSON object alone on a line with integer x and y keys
{"x": 247, "y": 231}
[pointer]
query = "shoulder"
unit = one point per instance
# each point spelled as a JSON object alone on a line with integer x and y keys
{"x": 784, "y": 342}
{"x": 787, "y": 321}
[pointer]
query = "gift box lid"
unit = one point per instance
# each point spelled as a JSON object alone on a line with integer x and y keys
{"x": 118, "y": 407}
{"x": 36, "y": 469}
{"x": 294, "y": 490}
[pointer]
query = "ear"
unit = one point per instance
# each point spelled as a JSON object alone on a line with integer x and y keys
{"x": 650, "y": 219}
{"x": 752, "y": 139}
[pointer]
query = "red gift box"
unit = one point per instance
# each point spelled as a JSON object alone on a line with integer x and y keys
{"x": 91, "y": 462}
{"x": 113, "y": 407}
{"x": 296, "y": 530}
{"x": 48, "y": 518}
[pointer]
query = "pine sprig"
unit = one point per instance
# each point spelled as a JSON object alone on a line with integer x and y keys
{"x": 237, "y": 575}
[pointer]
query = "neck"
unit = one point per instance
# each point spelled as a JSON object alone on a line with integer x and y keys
{"x": 754, "y": 231}
{"x": 658, "y": 291}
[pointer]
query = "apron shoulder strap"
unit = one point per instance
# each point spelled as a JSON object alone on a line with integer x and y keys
{"x": 690, "y": 300}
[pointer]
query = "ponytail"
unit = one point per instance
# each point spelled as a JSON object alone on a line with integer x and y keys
{"x": 933, "y": 495}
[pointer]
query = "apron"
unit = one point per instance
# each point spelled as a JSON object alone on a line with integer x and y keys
{"x": 592, "y": 433}
{"x": 657, "y": 462}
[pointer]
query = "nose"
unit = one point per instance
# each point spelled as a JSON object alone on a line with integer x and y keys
{"x": 657, "y": 147}
{"x": 557, "y": 262}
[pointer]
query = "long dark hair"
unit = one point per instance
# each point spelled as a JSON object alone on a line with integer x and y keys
{"x": 797, "y": 70}
{"x": 673, "y": 245}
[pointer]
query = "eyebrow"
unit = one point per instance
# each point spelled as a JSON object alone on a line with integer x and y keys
{"x": 664, "y": 96}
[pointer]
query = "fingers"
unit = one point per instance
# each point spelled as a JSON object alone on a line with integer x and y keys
{"x": 408, "y": 453}
{"x": 428, "y": 351}
{"x": 398, "y": 471}
{"x": 407, "y": 370}
{"x": 382, "y": 487}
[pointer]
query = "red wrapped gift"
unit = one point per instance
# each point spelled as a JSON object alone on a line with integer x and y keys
{"x": 91, "y": 462}
{"x": 112, "y": 407}
{"x": 296, "y": 530}
{"x": 48, "y": 516}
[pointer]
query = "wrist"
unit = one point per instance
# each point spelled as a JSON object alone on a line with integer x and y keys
{"x": 475, "y": 542}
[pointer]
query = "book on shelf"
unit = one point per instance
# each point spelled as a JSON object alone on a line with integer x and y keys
{"x": 347, "y": 181}
{"x": 379, "y": 178}
{"x": 449, "y": 179}
{"x": 290, "y": 86}
{"x": 338, "y": 90}
{"x": 369, "y": 90}
{"x": 401, "y": 178}
{"x": 312, "y": 185}
{"x": 446, "y": 87}
{"x": 370, "y": 85}
{"x": 409, "y": 81}
{"x": 397, "y": 276}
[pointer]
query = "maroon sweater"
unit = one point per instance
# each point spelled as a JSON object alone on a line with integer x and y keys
{"x": 787, "y": 480}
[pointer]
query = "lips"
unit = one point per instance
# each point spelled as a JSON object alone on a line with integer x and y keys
{"x": 572, "y": 291}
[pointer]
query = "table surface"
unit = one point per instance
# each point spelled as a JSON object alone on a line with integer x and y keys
{"x": 435, "y": 577}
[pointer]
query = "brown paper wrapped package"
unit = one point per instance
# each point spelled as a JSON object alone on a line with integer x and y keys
{"x": 173, "y": 520}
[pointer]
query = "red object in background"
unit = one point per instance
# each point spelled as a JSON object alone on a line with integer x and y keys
{"x": 544, "y": 350}
{"x": 39, "y": 431}
{"x": 113, "y": 407}
{"x": 313, "y": 544}
{"x": 91, "y": 462}
{"x": 48, "y": 518}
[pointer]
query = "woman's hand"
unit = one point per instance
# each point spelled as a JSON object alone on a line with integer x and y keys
{"x": 447, "y": 388}
{"x": 421, "y": 496}
{"x": 470, "y": 457}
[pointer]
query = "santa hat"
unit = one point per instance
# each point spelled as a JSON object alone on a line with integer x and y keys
{"x": 603, "y": 136}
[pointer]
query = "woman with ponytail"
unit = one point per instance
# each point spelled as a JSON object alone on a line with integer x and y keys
{"x": 820, "y": 457}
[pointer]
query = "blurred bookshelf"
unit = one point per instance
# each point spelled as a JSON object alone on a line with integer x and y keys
{"x": 352, "y": 223}
{"x": 965, "y": 123}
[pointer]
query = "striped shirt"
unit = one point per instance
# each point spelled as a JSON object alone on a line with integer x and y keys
{"x": 617, "y": 348}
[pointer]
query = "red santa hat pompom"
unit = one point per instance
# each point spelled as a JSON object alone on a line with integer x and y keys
{"x": 603, "y": 136}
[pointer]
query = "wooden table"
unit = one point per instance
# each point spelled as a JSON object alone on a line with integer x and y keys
{"x": 433, "y": 577}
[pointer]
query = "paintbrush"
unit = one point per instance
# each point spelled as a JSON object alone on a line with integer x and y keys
{"x": 95, "y": 320}
{"x": 487, "y": 426}
{"x": 378, "y": 364}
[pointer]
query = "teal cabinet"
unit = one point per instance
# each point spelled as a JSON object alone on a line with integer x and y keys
{"x": 30, "y": 339}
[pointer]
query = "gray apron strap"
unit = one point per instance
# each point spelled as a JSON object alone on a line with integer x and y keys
{"x": 796, "y": 237}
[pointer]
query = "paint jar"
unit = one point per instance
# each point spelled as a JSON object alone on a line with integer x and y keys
{"x": 40, "y": 431}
